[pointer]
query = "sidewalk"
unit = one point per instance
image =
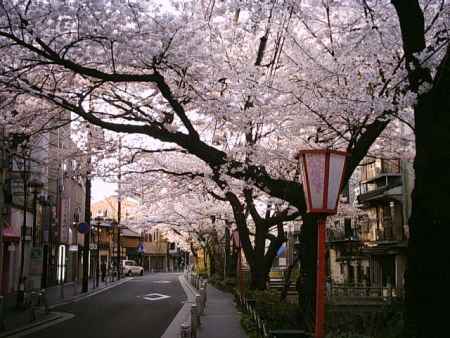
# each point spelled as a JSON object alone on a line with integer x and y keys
{"x": 221, "y": 318}
{"x": 17, "y": 319}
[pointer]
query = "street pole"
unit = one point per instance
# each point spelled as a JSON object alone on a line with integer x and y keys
{"x": 119, "y": 209}
{"x": 87, "y": 219}
{"x": 320, "y": 280}
{"x": 3, "y": 168}
{"x": 98, "y": 254}
{"x": 21, "y": 286}
{"x": 118, "y": 250}
{"x": 46, "y": 231}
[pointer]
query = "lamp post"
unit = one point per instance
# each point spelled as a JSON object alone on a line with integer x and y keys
{"x": 322, "y": 173}
{"x": 98, "y": 222}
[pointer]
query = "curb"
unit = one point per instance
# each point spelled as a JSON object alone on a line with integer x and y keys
{"x": 89, "y": 294}
{"x": 56, "y": 317}
{"x": 173, "y": 330}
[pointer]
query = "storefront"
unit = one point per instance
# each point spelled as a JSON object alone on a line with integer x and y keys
{"x": 11, "y": 242}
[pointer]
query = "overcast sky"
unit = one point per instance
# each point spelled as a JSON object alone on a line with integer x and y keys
{"x": 101, "y": 189}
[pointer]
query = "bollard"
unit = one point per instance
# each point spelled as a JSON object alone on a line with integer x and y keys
{"x": 61, "y": 291}
{"x": 185, "y": 330}
{"x": 43, "y": 300}
{"x": 203, "y": 294}
{"x": 195, "y": 321}
{"x": 34, "y": 299}
{"x": 2, "y": 322}
{"x": 198, "y": 302}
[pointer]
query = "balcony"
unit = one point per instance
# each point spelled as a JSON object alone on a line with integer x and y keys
{"x": 373, "y": 169}
{"x": 155, "y": 248}
{"x": 390, "y": 190}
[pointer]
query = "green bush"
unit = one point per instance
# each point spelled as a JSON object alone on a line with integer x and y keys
{"x": 277, "y": 315}
{"x": 382, "y": 322}
{"x": 249, "y": 326}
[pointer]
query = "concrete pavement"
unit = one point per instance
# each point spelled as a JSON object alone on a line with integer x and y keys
{"x": 17, "y": 319}
{"x": 221, "y": 318}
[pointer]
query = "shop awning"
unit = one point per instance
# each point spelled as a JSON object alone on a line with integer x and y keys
{"x": 10, "y": 234}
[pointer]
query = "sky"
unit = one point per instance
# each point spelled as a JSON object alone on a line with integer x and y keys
{"x": 101, "y": 189}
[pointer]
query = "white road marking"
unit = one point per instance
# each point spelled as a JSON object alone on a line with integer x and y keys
{"x": 162, "y": 282}
{"x": 154, "y": 296}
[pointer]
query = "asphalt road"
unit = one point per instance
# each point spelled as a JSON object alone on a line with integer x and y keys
{"x": 122, "y": 312}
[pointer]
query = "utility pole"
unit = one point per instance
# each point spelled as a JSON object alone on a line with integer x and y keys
{"x": 21, "y": 286}
{"x": 98, "y": 255}
{"x": 119, "y": 208}
{"x": 3, "y": 168}
{"x": 87, "y": 219}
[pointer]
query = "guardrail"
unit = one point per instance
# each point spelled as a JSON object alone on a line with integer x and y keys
{"x": 190, "y": 328}
{"x": 262, "y": 331}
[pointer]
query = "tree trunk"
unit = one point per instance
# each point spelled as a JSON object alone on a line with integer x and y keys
{"x": 287, "y": 279}
{"x": 259, "y": 276}
{"x": 427, "y": 278}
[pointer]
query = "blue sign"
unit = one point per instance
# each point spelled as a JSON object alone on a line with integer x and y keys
{"x": 140, "y": 248}
{"x": 281, "y": 250}
{"x": 84, "y": 228}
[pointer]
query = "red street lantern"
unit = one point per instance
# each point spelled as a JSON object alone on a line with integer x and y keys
{"x": 322, "y": 173}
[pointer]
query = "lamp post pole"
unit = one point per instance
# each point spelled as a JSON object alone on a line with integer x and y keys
{"x": 98, "y": 253}
{"x": 322, "y": 172}
{"x": 321, "y": 279}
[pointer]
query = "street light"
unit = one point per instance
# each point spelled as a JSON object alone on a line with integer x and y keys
{"x": 98, "y": 222}
{"x": 322, "y": 173}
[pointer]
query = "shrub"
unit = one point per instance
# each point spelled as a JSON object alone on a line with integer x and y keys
{"x": 277, "y": 315}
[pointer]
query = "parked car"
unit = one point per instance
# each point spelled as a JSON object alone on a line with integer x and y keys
{"x": 129, "y": 267}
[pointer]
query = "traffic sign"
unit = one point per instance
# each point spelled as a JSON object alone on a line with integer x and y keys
{"x": 84, "y": 228}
